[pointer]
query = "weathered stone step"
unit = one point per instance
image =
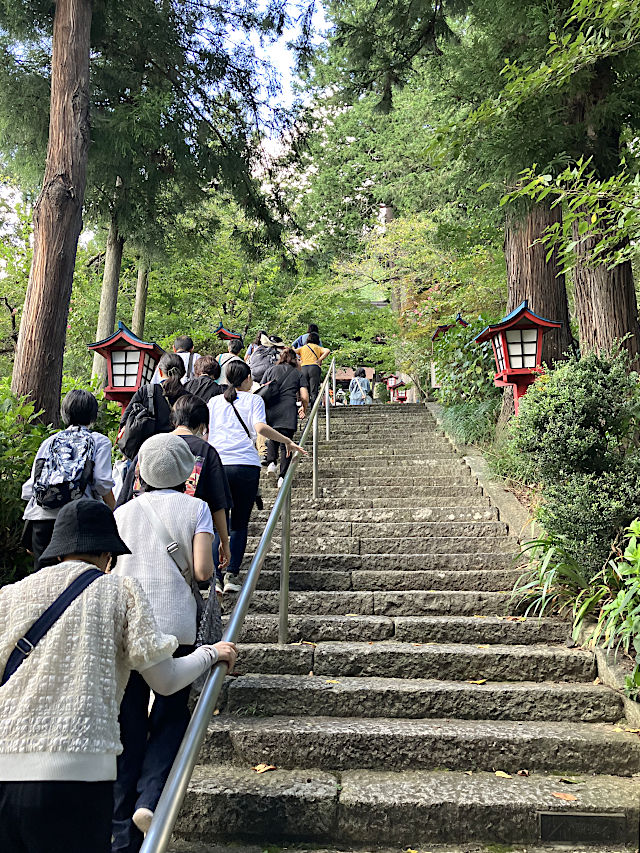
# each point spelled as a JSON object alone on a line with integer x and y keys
{"x": 365, "y": 529}
{"x": 487, "y": 581}
{"x": 414, "y": 602}
{"x": 462, "y": 496}
{"x": 412, "y": 808}
{"x": 370, "y": 450}
{"x": 389, "y": 497}
{"x": 424, "y": 460}
{"x": 402, "y": 515}
{"x": 405, "y": 485}
{"x": 479, "y": 630}
{"x": 452, "y": 466}
{"x": 304, "y": 695}
{"x": 182, "y": 846}
{"x": 444, "y": 560}
{"x": 376, "y": 545}
{"x": 388, "y": 659}
{"x": 348, "y": 743}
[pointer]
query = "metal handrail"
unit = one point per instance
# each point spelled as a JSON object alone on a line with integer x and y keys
{"x": 173, "y": 793}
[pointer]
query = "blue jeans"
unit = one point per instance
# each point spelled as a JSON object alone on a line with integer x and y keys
{"x": 151, "y": 742}
{"x": 243, "y": 483}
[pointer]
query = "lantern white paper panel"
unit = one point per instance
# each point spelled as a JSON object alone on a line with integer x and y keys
{"x": 523, "y": 344}
{"x": 124, "y": 366}
{"x": 499, "y": 353}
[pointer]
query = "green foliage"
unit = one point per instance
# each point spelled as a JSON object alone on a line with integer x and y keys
{"x": 20, "y": 436}
{"x": 473, "y": 422}
{"x": 464, "y": 368}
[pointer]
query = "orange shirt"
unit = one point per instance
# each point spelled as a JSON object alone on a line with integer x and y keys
{"x": 309, "y": 354}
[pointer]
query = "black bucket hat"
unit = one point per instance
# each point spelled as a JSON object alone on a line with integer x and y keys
{"x": 83, "y": 526}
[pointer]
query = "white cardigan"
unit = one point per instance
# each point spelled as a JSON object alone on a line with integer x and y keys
{"x": 59, "y": 710}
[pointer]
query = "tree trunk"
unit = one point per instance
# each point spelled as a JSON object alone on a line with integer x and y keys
{"x": 140, "y": 306}
{"x": 531, "y": 277}
{"x": 57, "y": 215}
{"x": 605, "y": 299}
{"x": 108, "y": 295}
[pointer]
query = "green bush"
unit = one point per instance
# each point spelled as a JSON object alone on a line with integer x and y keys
{"x": 473, "y": 422}
{"x": 20, "y": 436}
{"x": 464, "y": 368}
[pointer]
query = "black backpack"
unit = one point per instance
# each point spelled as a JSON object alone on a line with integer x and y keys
{"x": 262, "y": 358}
{"x": 139, "y": 426}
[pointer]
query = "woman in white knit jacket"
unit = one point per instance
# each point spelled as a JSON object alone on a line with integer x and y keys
{"x": 59, "y": 709}
{"x": 151, "y": 740}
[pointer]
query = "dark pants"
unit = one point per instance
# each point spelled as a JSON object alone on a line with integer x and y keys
{"x": 243, "y": 483}
{"x": 312, "y": 374}
{"x": 151, "y": 742}
{"x": 36, "y": 537}
{"x": 55, "y": 817}
{"x": 274, "y": 446}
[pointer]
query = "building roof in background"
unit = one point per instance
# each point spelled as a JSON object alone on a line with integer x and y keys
{"x": 344, "y": 374}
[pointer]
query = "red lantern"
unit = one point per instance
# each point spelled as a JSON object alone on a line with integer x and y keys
{"x": 130, "y": 363}
{"x": 517, "y": 347}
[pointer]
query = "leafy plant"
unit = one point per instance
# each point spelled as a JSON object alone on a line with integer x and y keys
{"x": 464, "y": 368}
{"x": 472, "y": 422}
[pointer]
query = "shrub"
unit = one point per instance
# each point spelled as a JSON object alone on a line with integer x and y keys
{"x": 473, "y": 422}
{"x": 20, "y": 436}
{"x": 464, "y": 368}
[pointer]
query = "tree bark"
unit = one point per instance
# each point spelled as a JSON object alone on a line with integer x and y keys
{"x": 531, "y": 277}
{"x": 108, "y": 295}
{"x": 57, "y": 215}
{"x": 606, "y": 303}
{"x": 140, "y": 306}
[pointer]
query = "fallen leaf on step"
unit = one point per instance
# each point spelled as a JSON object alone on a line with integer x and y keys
{"x": 482, "y": 647}
{"x": 597, "y": 680}
{"x": 311, "y": 672}
{"x": 562, "y": 796}
{"x": 416, "y": 644}
{"x": 216, "y": 712}
{"x": 410, "y": 850}
{"x": 633, "y": 731}
{"x": 523, "y": 773}
{"x": 262, "y": 768}
{"x": 352, "y": 614}
{"x": 332, "y": 682}
{"x": 478, "y": 681}
{"x": 478, "y": 616}
{"x": 502, "y": 775}
{"x": 468, "y": 772}
{"x": 569, "y": 781}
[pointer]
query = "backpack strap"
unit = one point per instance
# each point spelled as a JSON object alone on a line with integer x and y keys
{"x": 190, "y": 365}
{"x": 151, "y": 390}
{"x": 36, "y": 632}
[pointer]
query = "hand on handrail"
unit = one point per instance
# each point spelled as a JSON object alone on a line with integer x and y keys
{"x": 222, "y": 651}
{"x": 292, "y": 447}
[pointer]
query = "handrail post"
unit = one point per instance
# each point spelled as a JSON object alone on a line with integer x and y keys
{"x": 285, "y": 561}
{"x": 327, "y": 409}
{"x": 315, "y": 456}
{"x": 333, "y": 380}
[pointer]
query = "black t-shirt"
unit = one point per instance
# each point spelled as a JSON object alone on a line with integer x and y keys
{"x": 161, "y": 403}
{"x": 204, "y": 387}
{"x": 283, "y": 413}
{"x": 208, "y": 480}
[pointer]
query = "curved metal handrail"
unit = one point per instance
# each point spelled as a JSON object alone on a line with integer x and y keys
{"x": 173, "y": 793}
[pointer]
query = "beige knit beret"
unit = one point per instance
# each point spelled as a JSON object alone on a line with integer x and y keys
{"x": 165, "y": 461}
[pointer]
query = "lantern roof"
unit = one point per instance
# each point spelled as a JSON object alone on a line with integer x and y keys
{"x": 123, "y": 335}
{"x": 520, "y": 317}
{"x": 442, "y": 330}
{"x": 226, "y": 335}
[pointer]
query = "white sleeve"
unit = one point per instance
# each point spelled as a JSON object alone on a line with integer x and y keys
{"x": 204, "y": 523}
{"x": 172, "y": 674}
{"x": 102, "y": 472}
{"x": 258, "y": 412}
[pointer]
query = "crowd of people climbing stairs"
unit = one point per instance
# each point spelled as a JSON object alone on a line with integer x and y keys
{"x": 114, "y": 613}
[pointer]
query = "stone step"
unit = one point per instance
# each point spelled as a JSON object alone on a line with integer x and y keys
{"x": 412, "y": 808}
{"x": 422, "y": 630}
{"x": 487, "y": 581}
{"x": 471, "y": 497}
{"x": 475, "y": 560}
{"x": 182, "y": 846}
{"x": 414, "y": 602}
{"x": 388, "y": 659}
{"x": 332, "y": 484}
{"x": 451, "y": 466}
{"x": 389, "y": 497}
{"x": 340, "y": 450}
{"x": 312, "y": 695}
{"x": 401, "y": 515}
{"x": 415, "y": 529}
{"x": 350, "y": 456}
{"x": 349, "y": 743}
{"x": 376, "y": 545}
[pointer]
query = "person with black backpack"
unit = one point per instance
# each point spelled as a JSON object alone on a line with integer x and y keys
{"x": 266, "y": 355}
{"x": 72, "y": 464}
{"x": 149, "y": 411}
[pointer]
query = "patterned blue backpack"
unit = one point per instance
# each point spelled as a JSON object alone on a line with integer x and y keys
{"x": 65, "y": 472}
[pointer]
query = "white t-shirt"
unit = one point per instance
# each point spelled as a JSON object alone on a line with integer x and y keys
{"x": 227, "y": 434}
{"x": 185, "y": 357}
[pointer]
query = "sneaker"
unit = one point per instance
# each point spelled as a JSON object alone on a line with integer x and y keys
{"x": 142, "y": 819}
{"x": 280, "y": 482}
{"x": 219, "y": 588}
{"x": 271, "y": 468}
{"x": 232, "y": 583}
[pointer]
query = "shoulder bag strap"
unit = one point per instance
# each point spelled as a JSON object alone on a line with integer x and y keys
{"x": 36, "y": 632}
{"x": 362, "y": 390}
{"x": 313, "y": 351}
{"x": 151, "y": 400}
{"x": 190, "y": 366}
{"x": 172, "y": 547}
{"x": 240, "y": 418}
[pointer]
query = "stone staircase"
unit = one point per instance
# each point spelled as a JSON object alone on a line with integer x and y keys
{"x": 411, "y": 706}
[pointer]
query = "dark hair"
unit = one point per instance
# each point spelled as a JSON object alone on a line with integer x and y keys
{"x": 173, "y": 368}
{"x": 206, "y": 365}
{"x": 288, "y": 356}
{"x": 258, "y": 338}
{"x": 145, "y": 487}
{"x": 235, "y": 346}
{"x": 183, "y": 344}
{"x": 313, "y": 329}
{"x": 237, "y": 372}
{"x": 360, "y": 373}
{"x": 189, "y": 411}
{"x": 79, "y": 408}
{"x": 313, "y": 338}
